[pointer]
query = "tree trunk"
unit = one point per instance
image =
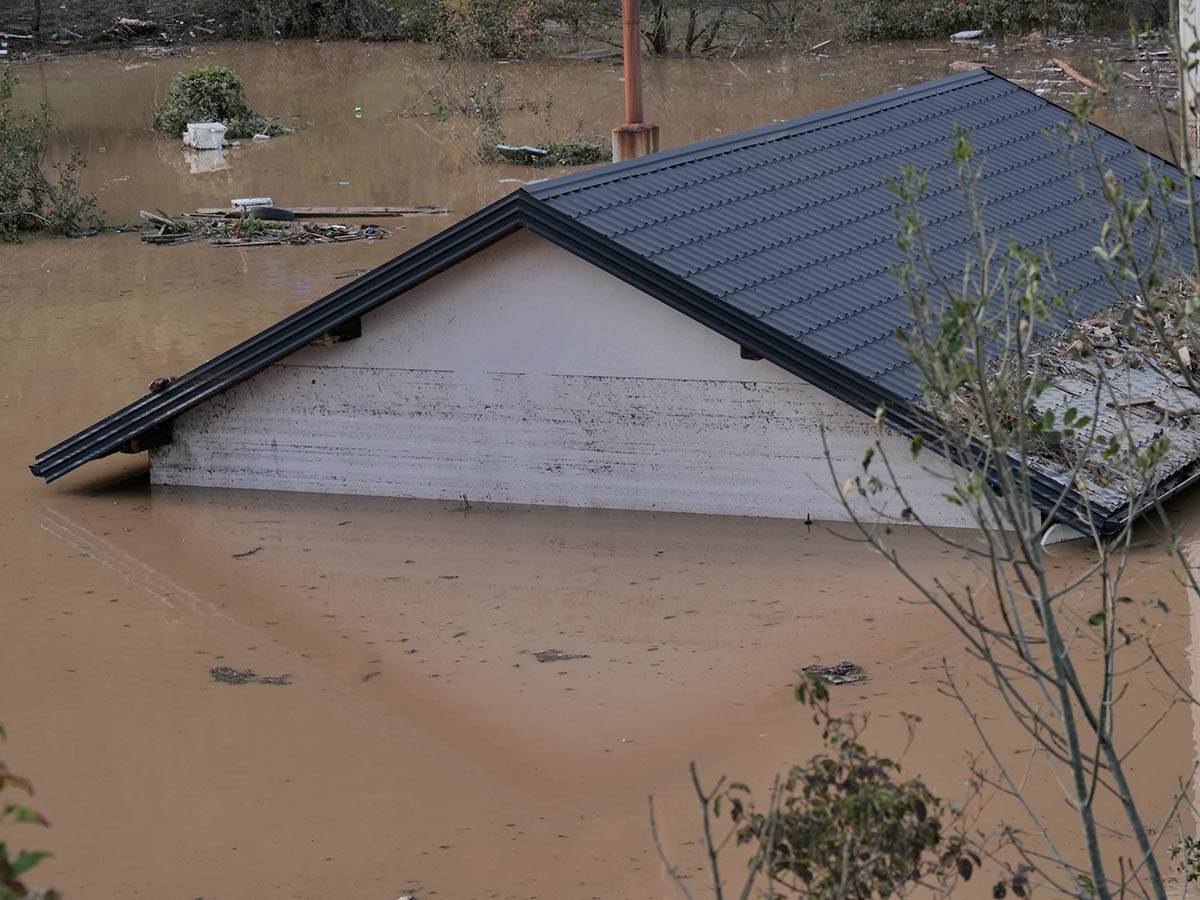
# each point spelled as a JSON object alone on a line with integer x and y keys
{"x": 36, "y": 28}
{"x": 658, "y": 36}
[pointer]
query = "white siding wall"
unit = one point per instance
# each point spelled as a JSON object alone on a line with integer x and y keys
{"x": 526, "y": 375}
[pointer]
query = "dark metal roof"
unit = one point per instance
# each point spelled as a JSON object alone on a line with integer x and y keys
{"x": 782, "y": 239}
{"x": 794, "y": 224}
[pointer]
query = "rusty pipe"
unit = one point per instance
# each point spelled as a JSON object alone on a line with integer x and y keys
{"x": 632, "y": 34}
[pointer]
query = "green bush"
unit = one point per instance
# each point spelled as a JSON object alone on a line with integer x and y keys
{"x": 844, "y": 825}
{"x": 211, "y": 94}
{"x": 30, "y": 200}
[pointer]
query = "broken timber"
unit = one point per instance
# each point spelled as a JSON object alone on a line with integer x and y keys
{"x": 345, "y": 212}
{"x": 1073, "y": 73}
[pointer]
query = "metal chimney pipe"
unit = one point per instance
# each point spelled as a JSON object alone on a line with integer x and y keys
{"x": 634, "y": 138}
{"x": 631, "y": 26}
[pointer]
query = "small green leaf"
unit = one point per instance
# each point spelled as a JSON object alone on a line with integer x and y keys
{"x": 20, "y": 813}
{"x": 27, "y": 859}
{"x": 1097, "y": 618}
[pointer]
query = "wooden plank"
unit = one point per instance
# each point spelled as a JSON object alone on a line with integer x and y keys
{"x": 1073, "y": 73}
{"x": 337, "y": 212}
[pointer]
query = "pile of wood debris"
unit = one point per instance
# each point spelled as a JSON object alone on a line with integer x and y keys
{"x": 160, "y": 228}
{"x": 1127, "y": 375}
{"x": 1128, "y": 337}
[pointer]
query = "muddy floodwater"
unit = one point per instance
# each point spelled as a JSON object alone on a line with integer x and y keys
{"x": 420, "y": 746}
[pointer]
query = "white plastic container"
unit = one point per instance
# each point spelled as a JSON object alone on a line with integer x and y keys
{"x": 205, "y": 135}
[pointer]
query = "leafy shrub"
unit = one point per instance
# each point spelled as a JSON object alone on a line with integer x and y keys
{"x": 15, "y": 865}
{"x": 844, "y": 825}
{"x": 29, "y": 199}
{"x": 211, "y": 94}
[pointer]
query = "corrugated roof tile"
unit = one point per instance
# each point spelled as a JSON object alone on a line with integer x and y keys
{"x": 796, "y": 224}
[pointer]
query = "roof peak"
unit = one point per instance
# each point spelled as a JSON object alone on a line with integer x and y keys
{"x": 726, "y": 143}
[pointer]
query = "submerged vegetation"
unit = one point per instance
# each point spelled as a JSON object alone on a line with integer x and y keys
{"x": 32, "y": 198}
{"x": 576, "y": 150}
{"x": 211, "y": 94}
{"x": 483, "y": 104}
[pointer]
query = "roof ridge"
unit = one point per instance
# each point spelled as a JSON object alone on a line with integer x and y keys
{"x": 690, "y": 152}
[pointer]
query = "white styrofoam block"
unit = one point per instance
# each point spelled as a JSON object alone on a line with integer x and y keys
{"x": 205, "y": 135}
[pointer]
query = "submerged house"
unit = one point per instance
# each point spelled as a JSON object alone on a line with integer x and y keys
{"x": 667, "y": 333}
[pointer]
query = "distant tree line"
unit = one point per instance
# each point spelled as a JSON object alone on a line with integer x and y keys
{"x": 513, "y": 28}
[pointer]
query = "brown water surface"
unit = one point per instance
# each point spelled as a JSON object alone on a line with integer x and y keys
{"x": 420, "y": 745}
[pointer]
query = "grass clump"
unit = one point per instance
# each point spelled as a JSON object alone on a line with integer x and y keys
{"x": 30, "y": 199}
{"x": 211, "y": 94}
{"x": 576, "y": 150}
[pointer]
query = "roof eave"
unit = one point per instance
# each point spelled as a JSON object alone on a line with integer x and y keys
{"x": 252, "y": 355}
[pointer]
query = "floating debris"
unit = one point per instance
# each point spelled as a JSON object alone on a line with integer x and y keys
{"x": 1074, "y": 74}
{"x": 252, "y": 204}
{"x": 526, "y": 155}
{"x": 205, "y": 135}
{"x": 973, "y": 34}
{"x": 230, "y": 675}
{"x": 250, "y": 231}
{"x": 844, "y": 672}
{"x": 545, "y": 656}
{"x": 599, "y": 55}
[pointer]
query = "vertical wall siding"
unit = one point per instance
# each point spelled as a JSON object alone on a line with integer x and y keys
{"x": 525, "y": 375}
